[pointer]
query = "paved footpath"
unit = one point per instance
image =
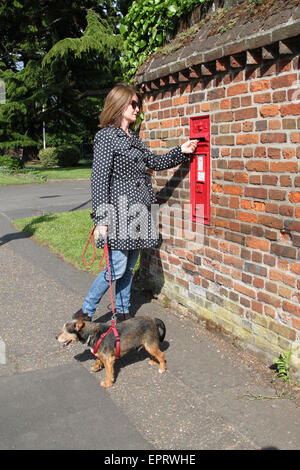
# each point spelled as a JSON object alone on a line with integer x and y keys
{"x": 49, "y": 399}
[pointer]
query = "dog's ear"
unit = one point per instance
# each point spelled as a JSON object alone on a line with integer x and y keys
{"x": 79, "y": 324}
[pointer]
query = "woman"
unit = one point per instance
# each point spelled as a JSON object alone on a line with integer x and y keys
{"x": 122, "y": 196}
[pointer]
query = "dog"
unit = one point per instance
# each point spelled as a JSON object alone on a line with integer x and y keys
{"x": 134, "y": 333}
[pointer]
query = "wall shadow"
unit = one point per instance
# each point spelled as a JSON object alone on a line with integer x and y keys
{"x": 151, "y": 284}
{"x": 27, "y": 231}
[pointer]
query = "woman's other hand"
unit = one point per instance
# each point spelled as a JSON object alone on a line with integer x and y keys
{"x": 100, "y": 230}
{"x": 189, "y": 146}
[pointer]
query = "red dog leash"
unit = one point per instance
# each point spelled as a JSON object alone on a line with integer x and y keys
{"x": 105, "y": 255}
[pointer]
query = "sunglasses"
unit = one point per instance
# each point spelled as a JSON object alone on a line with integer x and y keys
{"x": 134, "y": 104}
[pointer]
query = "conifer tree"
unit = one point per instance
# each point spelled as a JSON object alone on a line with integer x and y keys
{"x": 54, "y": 59}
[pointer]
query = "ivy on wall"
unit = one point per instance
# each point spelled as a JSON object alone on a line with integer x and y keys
{"x": 146, "y": 27}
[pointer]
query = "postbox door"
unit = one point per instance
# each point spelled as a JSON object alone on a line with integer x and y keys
{"x": 200, "y": 170}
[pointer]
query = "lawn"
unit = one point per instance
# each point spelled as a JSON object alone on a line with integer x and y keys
{"x": 37, "y": 174}
{"x": 21, "y": 178}
{"x": 65, "y": 233}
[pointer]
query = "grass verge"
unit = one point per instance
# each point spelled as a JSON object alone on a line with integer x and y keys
{"x": 66, "y": 234}
{"x": 37, "y": 174}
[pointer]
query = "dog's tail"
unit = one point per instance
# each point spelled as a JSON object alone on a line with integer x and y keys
{"x": 161, "y": 329}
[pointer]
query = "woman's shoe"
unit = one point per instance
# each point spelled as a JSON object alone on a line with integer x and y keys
{"x": 81, "y": 314}
{"x": 122, "y": 317}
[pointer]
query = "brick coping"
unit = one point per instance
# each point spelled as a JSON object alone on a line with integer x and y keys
{"x": 205, "y": 55}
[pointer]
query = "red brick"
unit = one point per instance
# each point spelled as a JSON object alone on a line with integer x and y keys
{"x": 257, "y": 165}
{"x": 283, "y": 81}
{"x": 237, "y": 190}
{"x": 262, "y": 98}
{"x": 295, "y": 268}
{"x": 268, "y": 299}
{"x": 247, "y": 217}
{"x": 291, "y": 308}
{"x": 206, "y": 274}
{"x": 274, "y": 153}
{"x": 180, "y": 100}
{"x": 284, "y": 167}
{"x": 267, "y": 111}
{"x": 258, "y": 244}
{"x": 279, "y": 96}
{"x": 294, "y": 197}
{"x": 271, "y": 208}
{"x": 274, "y": 124}
{"x": 295, "y": 137}
{"x": 245, "y": 290}
{"x": 292, "y": 109}
{"x": 241, "y": 178}
{"x": 257, "y": 193}
{"x": 248, "y": 126}
{"x": 277, "y": 195}
{"x": 296, "y": 323}
{"x": 283, "y": 251}
{"x": 225, "y": 116}
{"x": 245, "y": 113}
{"x": 273, "y": 138}
{"x": 257, "y": 306}
{"x": 280, "y": 276}
{"x": 288, "y": 153}
{"x": 247, "y": 139}
{"x": 224, "y": 140}
{"x": 233, "y": 261}
{"x": 237, "y": 89}
{"x": 270, "y": 221}
{"x": 259, "y": 206}
{"x": 259, "y": 85}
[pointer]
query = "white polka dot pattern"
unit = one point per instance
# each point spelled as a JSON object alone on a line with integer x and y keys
{"x": 122, "y": 193}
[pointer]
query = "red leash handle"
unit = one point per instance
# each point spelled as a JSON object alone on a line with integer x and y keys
{"x": 105, "y": 251}
{"x": 93, "y": 245}
{"x": 105, "y": 255}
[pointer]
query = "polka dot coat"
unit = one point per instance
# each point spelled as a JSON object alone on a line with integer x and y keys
{"x": 122, "y": 194}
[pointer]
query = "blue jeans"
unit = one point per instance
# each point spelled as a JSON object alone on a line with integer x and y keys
{"x": 121, "y": 264}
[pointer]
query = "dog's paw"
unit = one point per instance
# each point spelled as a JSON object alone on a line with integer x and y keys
{"x": 106, "y": 384}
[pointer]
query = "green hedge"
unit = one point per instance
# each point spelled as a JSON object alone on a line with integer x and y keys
{"x": 62, "y": 156}
{"x": 49, "y": 157}
{"x": 68, "y": 155}
{"x": 9, "y": 163}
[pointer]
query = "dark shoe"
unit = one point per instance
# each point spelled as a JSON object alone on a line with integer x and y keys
{"x": 81, "y": 314}
{"x": 122, "y": 317}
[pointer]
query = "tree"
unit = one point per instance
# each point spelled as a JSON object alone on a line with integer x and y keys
{"x": 51, "y": 55}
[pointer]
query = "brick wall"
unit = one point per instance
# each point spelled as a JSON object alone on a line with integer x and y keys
{"x": 245, "y": 276}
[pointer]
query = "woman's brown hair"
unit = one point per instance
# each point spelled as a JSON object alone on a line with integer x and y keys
{"x": 115, "y": 102}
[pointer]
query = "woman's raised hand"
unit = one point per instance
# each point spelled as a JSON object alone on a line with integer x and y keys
{"x": 189, "y": 146}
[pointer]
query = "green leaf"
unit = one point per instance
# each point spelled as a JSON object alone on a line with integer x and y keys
{"x": 123, "y": 28}
{"x": 172, "y": 9}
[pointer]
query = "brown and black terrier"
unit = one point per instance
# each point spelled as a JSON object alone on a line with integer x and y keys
{"x": 134, "y": 333}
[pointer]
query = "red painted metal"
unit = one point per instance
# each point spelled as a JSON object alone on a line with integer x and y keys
{"x": 200, "y": 170}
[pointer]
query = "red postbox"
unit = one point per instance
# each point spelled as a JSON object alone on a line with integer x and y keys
{"x": 200, "y": 170}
